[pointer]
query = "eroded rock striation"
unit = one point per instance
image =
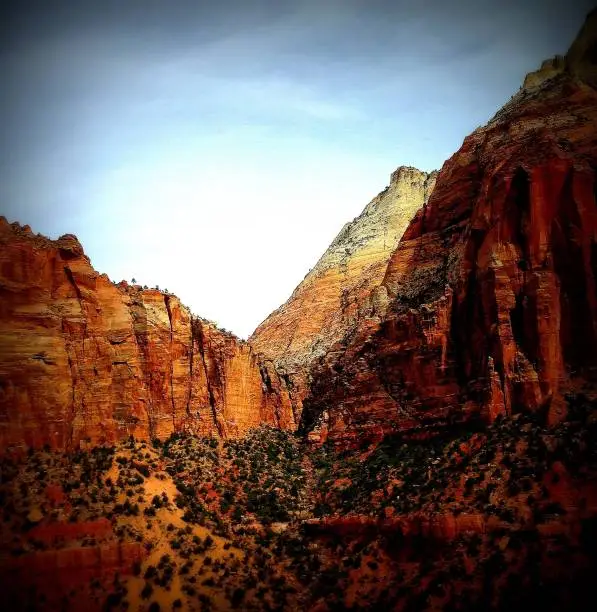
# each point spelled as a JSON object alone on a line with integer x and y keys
{"x": 343, "y": 287}
{"x": 83, "y": 359}
{"x": 492, "y": 289}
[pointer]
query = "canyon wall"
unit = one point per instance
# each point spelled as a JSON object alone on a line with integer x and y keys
{"x": 340, "y": 290}
{"x": 85, "y": 360}
{"x": 492, "y": 290}
{"x": 485, "y": 304}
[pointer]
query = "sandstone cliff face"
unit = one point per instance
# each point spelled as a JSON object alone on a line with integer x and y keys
{"x": 56, "y": 572}
{"x": 493, "y": 287}
{"x": 82, "y": 359}
{"x": 342, "y": 288}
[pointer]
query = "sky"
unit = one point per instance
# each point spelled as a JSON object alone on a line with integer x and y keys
{"x": 216, "y": 148}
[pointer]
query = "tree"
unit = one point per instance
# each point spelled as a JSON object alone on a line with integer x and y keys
{"x": 146, "y": 591}
{"x": 237, "y": 597}
{"x": 134, "y": 280}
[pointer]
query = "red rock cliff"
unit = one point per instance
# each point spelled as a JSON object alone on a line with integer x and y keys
{"x": 341, "y": 289}
{"x": 82, "y": 359}
{"x": 493, "y": 287}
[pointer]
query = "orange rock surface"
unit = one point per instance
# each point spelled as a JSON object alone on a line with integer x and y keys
{"x": 439, "y": 527}
{"x": 493, "y": 288}
{"x": 343, "y": 287}
{"x": 85, "y": 360}
{"x": 55, "y": 573}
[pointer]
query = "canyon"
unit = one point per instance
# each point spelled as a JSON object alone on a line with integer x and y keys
{"x": 456, "y": 295}
{"x": 85, "y": 361}
{"x": 414, "y": 428}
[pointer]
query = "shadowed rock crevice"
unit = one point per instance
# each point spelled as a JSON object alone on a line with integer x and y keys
{"x": 577, "y": 333}
{"x": 71, "y": 280}
{"x": 192, "y": 344}
{"x": 518, "y": 208}
{"x": 210, "y": 392}
{"x": 140, "y": 329}
{"x": 171, "y": 361}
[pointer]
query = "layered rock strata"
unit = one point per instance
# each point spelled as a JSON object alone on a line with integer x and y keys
{"x": 493, "y": 287}
{"x": 340, "y": 290}
{"x": 85, "y": 360}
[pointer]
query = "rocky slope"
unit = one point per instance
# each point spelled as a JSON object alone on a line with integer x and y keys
{"x": 493, "y": 295}
{"x": 339, "y": 290}
{"x": 84, "y": 360}
{"x": 501, "y": 517}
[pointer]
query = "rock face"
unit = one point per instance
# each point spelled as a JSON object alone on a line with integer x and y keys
{"x": 56, "y": 572}
{"x": 493, "y": 294}
{"x": 343, "y": 287}
{"x": 82, "y": 359}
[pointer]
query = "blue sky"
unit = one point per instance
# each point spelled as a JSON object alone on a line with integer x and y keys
{"x": 216, "y": 150}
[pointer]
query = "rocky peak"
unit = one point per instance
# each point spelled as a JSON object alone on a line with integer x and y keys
{"x": 581, "y": 59}
{"x": 383, "y": 221}
{"x": 549, "y": 69}
{"x": 340, "y": 289}
{"x": 405, "y": 176}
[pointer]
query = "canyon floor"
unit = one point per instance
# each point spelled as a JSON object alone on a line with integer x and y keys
{"x": 501, "y": 516}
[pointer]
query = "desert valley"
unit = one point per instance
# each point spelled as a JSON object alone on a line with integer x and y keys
{"x": 415, "y": 428}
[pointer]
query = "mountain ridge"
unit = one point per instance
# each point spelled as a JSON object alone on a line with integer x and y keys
{"x": 340, "y": 288}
